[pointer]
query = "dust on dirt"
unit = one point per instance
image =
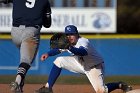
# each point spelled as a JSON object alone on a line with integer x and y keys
{"x": 58, "y": 88}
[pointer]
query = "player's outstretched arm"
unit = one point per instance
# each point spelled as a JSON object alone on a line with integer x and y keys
{"x": 52, "y": 52}
{"x": 81, "y": 51}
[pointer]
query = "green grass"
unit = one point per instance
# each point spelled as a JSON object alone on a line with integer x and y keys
{"x": 80, "y": 79}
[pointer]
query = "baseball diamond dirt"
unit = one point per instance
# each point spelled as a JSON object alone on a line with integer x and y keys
{"x": 62, "y": 88}
{"x": 134, "y": 91}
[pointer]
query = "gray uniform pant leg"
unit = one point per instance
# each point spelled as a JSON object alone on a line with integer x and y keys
{"x": 27, "y": 40}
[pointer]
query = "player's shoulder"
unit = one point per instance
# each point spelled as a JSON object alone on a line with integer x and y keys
{"x": 81, "y": 39}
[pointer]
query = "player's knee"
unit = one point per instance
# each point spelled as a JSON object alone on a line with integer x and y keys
{"x": 57, "y": 62}
{"x": 102, "y": 90}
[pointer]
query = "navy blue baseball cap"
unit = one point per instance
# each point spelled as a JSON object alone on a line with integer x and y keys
{"x": 71, "y": 29}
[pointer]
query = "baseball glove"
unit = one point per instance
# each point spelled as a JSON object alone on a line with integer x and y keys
{"x": 59, "y": 40}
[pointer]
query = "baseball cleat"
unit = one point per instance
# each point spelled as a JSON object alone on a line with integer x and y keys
{"x": 125, "y": 87}
{"x": 15, "y": 88}
{"x": 44, "y": 90}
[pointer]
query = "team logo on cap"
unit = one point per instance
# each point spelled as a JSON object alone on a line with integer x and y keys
{"x": 68, "y": 28}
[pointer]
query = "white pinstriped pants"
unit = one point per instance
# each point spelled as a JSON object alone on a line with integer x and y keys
{"x": 95, "y": 75}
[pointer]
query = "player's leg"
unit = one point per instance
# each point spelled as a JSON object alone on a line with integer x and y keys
{"x": 28, "y": 50}
{"x": 54, "y": 74}
{"x": 68, "y": 63}
{"x": 16, "y": 32}
{"x": 96, "y": 78}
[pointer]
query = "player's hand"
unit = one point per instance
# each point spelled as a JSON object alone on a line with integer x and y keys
{"x": 44, "y": 57}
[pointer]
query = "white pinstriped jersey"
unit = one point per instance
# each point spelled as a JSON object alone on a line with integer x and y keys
{"x": 93, "y": 58}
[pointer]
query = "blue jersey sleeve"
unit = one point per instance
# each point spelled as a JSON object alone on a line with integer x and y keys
{"x": 81, "y": 51}
{"x": 53, "y": 52}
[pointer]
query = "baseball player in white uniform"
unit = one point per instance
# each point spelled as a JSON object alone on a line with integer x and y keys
{"x": 84, "y": 59}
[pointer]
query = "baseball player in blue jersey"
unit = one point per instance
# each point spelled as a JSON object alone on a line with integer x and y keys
{"x": 84, "y": 59}
{"x": 28, "y": 18}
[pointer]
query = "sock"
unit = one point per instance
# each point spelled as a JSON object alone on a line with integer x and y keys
{"x": 18, "y": 79}
{"x": 112, "y": 86}
{"x": 21, "y": 72}
{"x": 47, "y": 85}
{"x": 54, "y": 74}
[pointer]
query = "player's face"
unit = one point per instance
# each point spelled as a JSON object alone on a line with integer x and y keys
{"x": 72, "y": 38}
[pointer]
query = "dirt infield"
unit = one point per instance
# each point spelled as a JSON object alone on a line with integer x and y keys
{"x": 29, "y": 88}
